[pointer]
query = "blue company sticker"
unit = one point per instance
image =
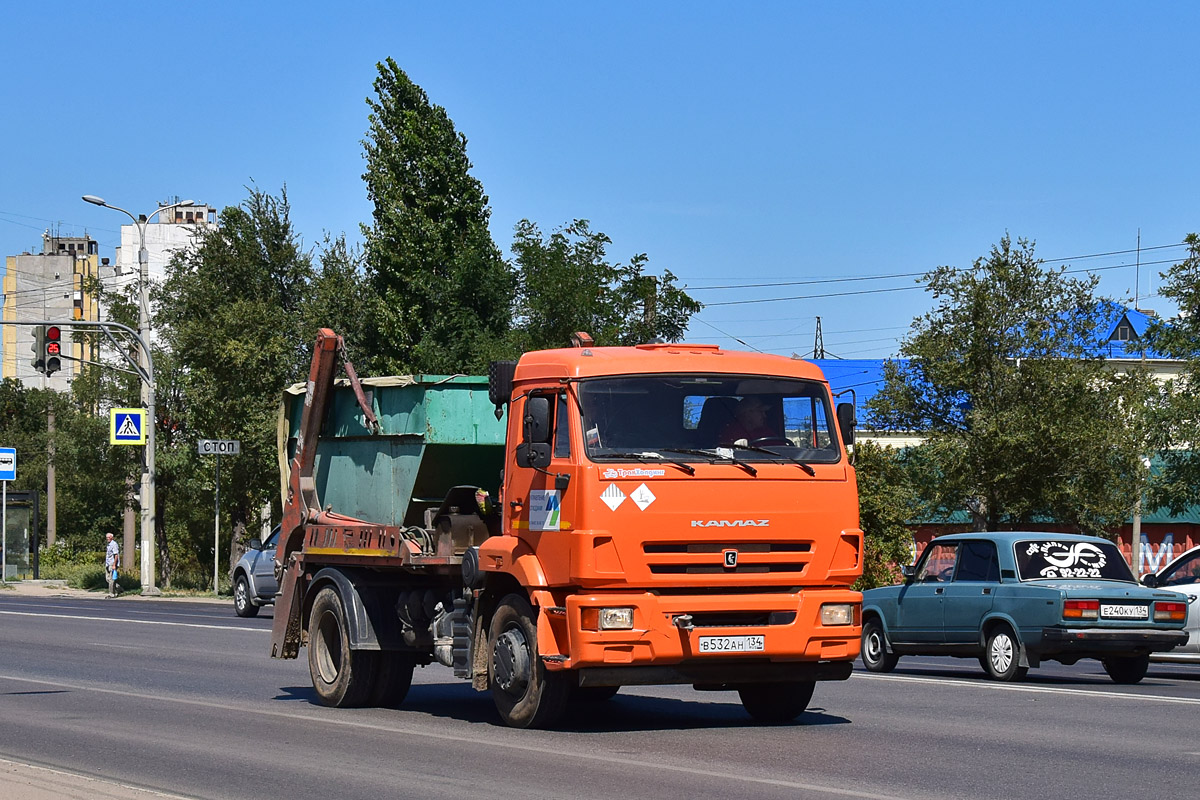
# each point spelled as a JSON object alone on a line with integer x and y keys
{"x": 544, "y": 508}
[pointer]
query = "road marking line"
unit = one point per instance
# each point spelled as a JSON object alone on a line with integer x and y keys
{"x": 136, "y": 621}
{"x": 538, "y": 747}
{"x": 1004, "y": 687}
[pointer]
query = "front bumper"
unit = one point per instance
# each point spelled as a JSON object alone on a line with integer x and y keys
{"x": 1106, "y": 641}
{"x": 660, "y": 650}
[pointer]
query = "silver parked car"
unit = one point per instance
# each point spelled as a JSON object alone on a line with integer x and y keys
{"x": 254, "y": 582}
{"x": 1182, "y": 575}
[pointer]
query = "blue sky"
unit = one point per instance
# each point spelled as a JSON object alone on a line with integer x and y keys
{"x": 732, "y": 143}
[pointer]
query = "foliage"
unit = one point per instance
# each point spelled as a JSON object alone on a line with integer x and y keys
{"x": 887, "y": 502}
{"x": 446, "y": 291}
{"x": 566, "y": 284}
{"x": 232, "y": 313}
{"x": 1024, "y": 421}
{"x": 1177, "y": 418}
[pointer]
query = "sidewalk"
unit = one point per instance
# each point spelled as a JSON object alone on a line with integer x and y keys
{"x": 60, "y": 589}
{"x": 28, "y": 782}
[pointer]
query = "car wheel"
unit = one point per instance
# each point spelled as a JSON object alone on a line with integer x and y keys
{"x": 342, "y": 677}
{"x": 526, "y": 694}
{"x": 776, "y": 703}
{"x": 875, "y": 656}
{"x": 1126, "y": 669}
{"x": 243, "y": 606}
{"x": 1002, "y": 656}
{"x": 393, "y": 678}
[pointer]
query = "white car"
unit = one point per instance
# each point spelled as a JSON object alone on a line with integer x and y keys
{"x": 1182, "y": 575}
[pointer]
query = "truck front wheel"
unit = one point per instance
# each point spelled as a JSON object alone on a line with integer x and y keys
{"x": 342, "y": 677}
{"x": 775, "y": 703}
{"x": 526, "y": 694}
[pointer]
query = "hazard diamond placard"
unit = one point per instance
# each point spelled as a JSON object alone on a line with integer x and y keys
{"x": 127, "y": 426}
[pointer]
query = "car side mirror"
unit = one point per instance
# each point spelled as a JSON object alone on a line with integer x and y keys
{"x": 909, "y": 571}
{"x": 1150, "y": 580}
{"x": 256, "y": 544}
{"x": 846, "y": 422}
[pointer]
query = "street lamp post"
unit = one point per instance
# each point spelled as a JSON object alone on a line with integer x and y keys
{"x": 148, "y": 483}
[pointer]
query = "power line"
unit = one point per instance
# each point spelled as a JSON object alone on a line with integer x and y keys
{"x": 896, "y": 275}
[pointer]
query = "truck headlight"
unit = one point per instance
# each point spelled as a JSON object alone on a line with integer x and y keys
{"x": 606, "y": 619}
{"x": 837, "y": 614}
{"x": 616, "y": 619}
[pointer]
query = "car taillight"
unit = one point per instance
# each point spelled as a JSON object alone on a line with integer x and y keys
{"x": 1081, "y": 609}
{"x": 1170, "y": 612}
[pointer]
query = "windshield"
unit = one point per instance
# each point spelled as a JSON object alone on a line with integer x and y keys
{"x": 1063, "y": 558}
{"x": 758, "y": 418}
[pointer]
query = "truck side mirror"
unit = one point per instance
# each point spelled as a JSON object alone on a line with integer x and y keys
{"x": 846, "y": 422}
{"x": 537, "y": 419}
{"x": 535, "y": 455}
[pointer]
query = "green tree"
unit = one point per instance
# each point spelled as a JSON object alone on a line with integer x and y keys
{"x": 566, "y": 284}
{"x": 233, "y": 313}
{"x": 1025, "y": 423}
{"x": 1177, "y": 416}
{"x": 887, "y": 504}
{"x": 446, "y": 291}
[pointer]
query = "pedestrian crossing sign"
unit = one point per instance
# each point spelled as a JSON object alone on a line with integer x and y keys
{"x": 127, "y": 426}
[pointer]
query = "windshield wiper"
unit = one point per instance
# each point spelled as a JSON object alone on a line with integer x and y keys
{"x": 713, "y": 454}
{"x": 649, "y": 457}
{"x": 801, "y": 464}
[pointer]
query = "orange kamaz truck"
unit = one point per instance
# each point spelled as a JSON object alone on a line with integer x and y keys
{"x": 580, "y": 520}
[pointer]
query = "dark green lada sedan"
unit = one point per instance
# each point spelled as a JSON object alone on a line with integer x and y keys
{"x": 1015, "y": 599}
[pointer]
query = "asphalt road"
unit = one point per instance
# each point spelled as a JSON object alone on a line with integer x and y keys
{"x": 182, "y": 699}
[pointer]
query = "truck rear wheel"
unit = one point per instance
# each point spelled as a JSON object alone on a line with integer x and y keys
{"x": 392, "y": 679}
{"x": 526, "y": 694}
{"x": 775, "y": 703}
{"x": 342, "y": 677}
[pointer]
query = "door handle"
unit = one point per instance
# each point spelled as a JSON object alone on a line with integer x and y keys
{"x": 938, "y": 590}
{"x": 987, "y": 590}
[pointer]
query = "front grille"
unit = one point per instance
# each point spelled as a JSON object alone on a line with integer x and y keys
{"x": 707, "y": 557}
{"x": 651, "y": 548}
{"x": 742, "y": 619}
{"x": 720, "y": 569}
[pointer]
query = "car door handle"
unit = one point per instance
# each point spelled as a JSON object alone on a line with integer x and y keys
{"x": 939, "y": 590}
{"x": 987, "y": 590}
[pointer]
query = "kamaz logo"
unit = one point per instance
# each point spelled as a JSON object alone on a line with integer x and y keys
{"x": 731, "y": 523}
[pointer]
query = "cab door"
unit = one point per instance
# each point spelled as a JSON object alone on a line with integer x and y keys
{"x": 540, "y": 500}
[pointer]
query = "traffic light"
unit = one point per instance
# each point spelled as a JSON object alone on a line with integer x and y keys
{"x": 39, "y": 349}
{"x": 53, "y": 345}
{"x": 47, "y": 349}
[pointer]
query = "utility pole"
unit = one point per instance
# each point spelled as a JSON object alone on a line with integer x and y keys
{"x": 146, "y": 368}
{"x": 51, "y": 488}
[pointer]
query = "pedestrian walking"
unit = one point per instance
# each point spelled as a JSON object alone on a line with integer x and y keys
{"x": 112, "y": 562}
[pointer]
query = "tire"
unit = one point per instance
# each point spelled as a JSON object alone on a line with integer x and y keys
{"x": 776, "y": 703}
{"x": 875, "y": 656}
{"x": 1126, "y": 669}
{"x": 1002, "y": 656}
{"x": 393, "y": 678}
{"x": 243, "y": 605}
{"x": 342, "y": 677}
{"x": 526, "y": 694}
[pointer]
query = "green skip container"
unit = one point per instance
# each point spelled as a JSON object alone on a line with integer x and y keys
{"x": 436, "y": 432}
